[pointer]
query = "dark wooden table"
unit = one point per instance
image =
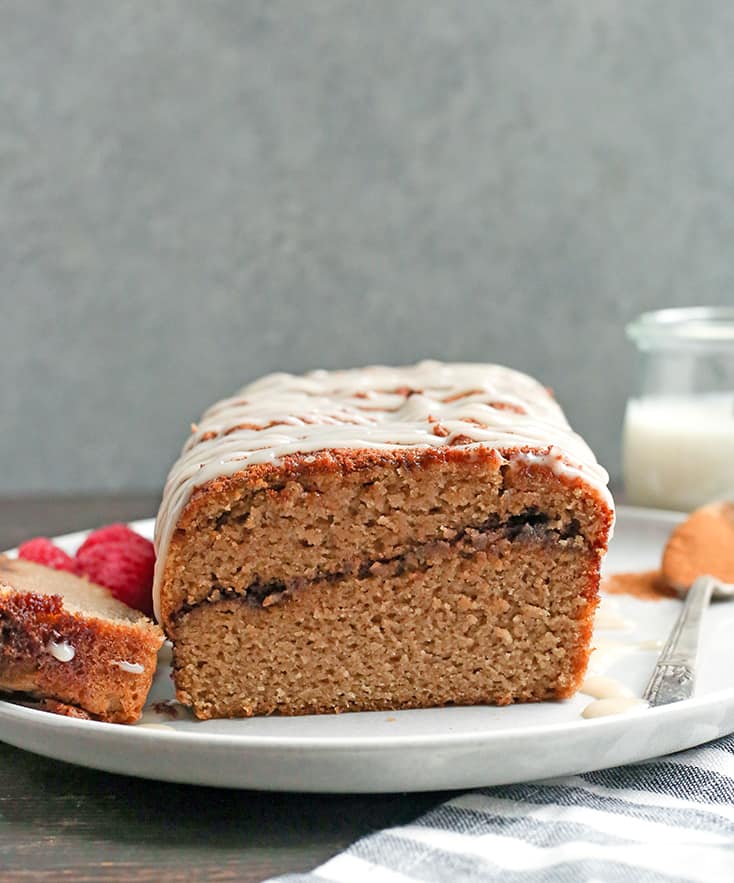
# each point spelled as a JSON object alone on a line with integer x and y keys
{"x": 63, "y": 822}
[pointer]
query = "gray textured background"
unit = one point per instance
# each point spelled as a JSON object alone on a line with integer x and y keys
{"x": 194, "y": 193}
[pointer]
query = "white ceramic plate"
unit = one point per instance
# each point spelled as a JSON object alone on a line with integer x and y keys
{"x": 427, "y": 749}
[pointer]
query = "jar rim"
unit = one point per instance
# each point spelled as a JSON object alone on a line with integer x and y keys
{"x": 700, "y": 326}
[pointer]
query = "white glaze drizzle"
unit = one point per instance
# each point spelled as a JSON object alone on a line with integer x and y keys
{"x": 61, "y": 650}
{"x": 431, "y": 404}
{"x": 616, "y": 705}
{"x": 133, "y": 668}
{"x": 651, "y": 644}
{"x": 605, "y": 653}
{"x": 608, "y": 616}
{"x": 165, "y": 655}
{"x": 604, "y": 687}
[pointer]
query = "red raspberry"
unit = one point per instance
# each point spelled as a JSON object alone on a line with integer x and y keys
{"x": 43, "y": 551}
{"x": 125, "y": 567}
{"x": 112, "y": 533}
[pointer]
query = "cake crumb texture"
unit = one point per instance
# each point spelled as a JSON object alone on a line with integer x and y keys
{"x": 61, "y": 640}
{"x": 381, "y": 580}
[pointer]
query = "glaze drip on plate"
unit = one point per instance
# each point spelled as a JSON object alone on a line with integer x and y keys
{"x": 431, "y": 404}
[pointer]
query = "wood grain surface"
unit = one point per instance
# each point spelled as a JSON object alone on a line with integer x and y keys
{"x": 63, "y": 822}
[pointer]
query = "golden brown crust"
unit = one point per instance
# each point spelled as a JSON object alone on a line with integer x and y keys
{"x": 33, "y": 625}
{"x": 62, "y": 708}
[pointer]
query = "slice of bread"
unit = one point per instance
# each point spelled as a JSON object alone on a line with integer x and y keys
{"x": 65, "y": 639}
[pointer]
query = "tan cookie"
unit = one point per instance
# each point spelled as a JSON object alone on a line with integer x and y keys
{"x": 703, "y": 543}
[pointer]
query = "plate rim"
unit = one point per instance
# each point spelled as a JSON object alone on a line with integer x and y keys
{"x": 348, "y": 743}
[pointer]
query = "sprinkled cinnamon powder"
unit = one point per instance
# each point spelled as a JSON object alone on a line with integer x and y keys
{"x": 648, "y": 585}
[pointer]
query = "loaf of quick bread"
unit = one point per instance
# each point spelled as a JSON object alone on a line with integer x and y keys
{"x": 381, "y": 538}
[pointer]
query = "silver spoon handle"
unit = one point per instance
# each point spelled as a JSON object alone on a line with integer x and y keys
{"x": 674, "y": 675}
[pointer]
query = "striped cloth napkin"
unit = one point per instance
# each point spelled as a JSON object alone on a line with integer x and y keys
{"x": 663, "y": 820}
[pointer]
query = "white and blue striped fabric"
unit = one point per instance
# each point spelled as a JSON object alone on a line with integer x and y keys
{"x": 670, "y": 819}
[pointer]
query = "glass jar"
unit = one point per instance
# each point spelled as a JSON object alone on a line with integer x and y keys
{"x": 678, "y": 445}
